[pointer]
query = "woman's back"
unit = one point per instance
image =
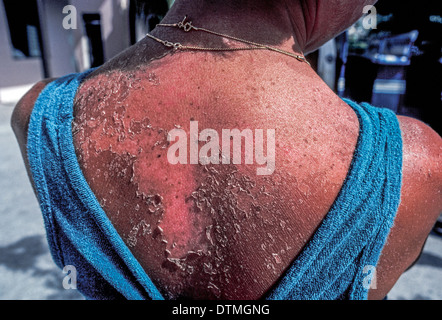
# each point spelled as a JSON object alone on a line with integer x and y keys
{"x": 231, "y": 228}
{"x": 219, "y": 229}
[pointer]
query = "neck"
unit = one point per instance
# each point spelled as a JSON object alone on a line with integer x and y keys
{"x": 265, "y": 22}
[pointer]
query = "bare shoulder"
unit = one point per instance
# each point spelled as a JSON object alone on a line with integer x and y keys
{"x": 22, "y": 114}
{"x": 422, "y": 177}
{"x": 420, "y": 206}
{"x": 422, "y": 165}
{"x": 23, "y": 109}
{"x": 417, "y": 136}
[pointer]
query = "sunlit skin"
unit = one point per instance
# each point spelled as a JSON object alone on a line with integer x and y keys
{"x": 222, "y": 212}
{"x": 222, "y": 231}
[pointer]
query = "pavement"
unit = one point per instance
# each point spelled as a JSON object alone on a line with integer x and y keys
{"x": 27, "y": 271}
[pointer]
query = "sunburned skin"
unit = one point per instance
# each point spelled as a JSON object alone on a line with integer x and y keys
{"x": 200, "y": 231}
{"x": 222, "y": 231}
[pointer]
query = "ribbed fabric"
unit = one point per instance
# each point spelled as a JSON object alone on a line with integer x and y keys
{"x": 339, "y": 260}
{"x": 331, "y": 266}
{"x": 78, "y": 230}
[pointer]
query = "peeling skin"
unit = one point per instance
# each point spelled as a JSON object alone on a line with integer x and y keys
{"x": 234, "y": 233}
{"x": 199, "y": 231}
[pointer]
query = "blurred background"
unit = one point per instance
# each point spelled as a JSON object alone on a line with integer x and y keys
{"x": 390, "y": 58}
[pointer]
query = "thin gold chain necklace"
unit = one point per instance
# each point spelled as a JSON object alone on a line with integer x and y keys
{"x": 187, "y": 26}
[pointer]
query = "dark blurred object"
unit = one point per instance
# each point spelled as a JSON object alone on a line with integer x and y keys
{"x": 424, "y": 87}
{"x": 407, "y": 15}
{"x": 392, "y": 56}
{"x": 92, "y": 26}
{"x": 424, "y": 75}
{"x": 398, "y": 65}
{"x": 438, "y": 226}
{"x": 146, "y": 12}
{"x": 359, "y": 75}
{"x": 24, "y": 27}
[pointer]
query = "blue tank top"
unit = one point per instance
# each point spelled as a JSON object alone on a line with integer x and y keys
{"x": 337, "y": 262}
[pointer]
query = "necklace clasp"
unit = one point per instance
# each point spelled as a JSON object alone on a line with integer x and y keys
{"x": 175, "y": 45}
